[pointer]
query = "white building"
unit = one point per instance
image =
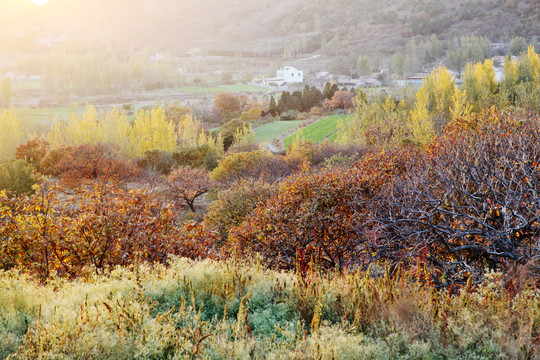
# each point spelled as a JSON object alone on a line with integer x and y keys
{"x": 290, "y": 75}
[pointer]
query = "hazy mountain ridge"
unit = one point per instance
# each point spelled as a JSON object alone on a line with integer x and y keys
{"x": 361, "y": 26}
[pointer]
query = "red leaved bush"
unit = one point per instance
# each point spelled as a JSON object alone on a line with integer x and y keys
{"x": 327, "y": 214}
{"x": 102, "y": 227}
{"x": 313, "y": 212}
{"x": 91, "y": 163}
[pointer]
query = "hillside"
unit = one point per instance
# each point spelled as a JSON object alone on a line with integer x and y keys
{"x": 264, "y": 26}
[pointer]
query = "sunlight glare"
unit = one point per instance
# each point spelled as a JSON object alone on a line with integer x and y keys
{"x": 39, "y": 2}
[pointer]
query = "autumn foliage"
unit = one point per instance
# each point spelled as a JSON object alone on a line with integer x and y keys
{"x": 312, "y": 212}
{"x": 473, "y": 204}
{"x": 186, "y": 184}
{"x": 255, "y": 165}
{"x": 49, "y": 233}
{"x": 467, "y": 203}
{"x": 32, "y": 151}
{"x": 93, "y": 162}
{"x": 341, "y": 100}
{"x": 227, "y": 104}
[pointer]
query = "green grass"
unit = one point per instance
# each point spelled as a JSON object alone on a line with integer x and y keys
{"x": 239, "y": 310}
{"x": 220, "y": 88}
{"x": 269, "y": 132}
{"x": 317, "y": 131}
{"x": 39, "y": 121}
{"x": 45, "y": 117}
{"x": 26, "y": 85}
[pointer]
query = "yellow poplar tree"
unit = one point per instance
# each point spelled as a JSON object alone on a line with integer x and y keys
{"x": 111, "y": 127}
{"x": 439, "y": 89}
{"x": 434, "y": 104}
{"x": 534, "y": 61}
{"x": 480, "y": 84}
{"x": 461, "y": 108}
{"x": 151, "y": 131}
{"x": 421, "y": 127}
{"x": 11, "y": 133}
{"x": 189, "y": 129}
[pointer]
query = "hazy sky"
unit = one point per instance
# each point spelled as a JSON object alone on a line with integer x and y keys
{"x": 40, "y": 2}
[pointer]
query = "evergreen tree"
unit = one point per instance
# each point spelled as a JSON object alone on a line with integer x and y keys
{"x": 273, "y": 105}
{"x": 283, "y": 103}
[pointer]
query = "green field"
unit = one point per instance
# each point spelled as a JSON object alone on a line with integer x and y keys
{"x": 26, "y": 85}
{"x": 317, "y": 131}
{"x": 48, "y": 115}
{"x": 39, "y": 121}
{"x": 220, "y": 88}
{"x": 269, "y": 132}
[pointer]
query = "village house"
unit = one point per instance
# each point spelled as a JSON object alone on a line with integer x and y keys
{"x": 416, "y": 80}
{"x": 290, "y": 75}
{"x": 347, "y": 81}
{"x": 286, "y": 76}
{"x": 498, "y": 47}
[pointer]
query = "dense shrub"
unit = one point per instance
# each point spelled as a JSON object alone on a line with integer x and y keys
{"x": 243, "y": 147}
{"x": 330, "y": 214}
{"x": 156, "y": 160}
{"x": 235, "y": 203}
{"x": 474, "y": 202}
{"x": 289, "y": 115}
{"x": 48, "y": 234}
{"x": 17, "y": 177}
{"x": 312, "y": 212}
{"x": 317, "y": 111}
{"x": 304, "y": 151}
{"x": 228, "y": 105}
{"x": 33, "y": 151}
{"x": 343, "y": 100}
{"x": 49, "y": 163}
{"x": 197, "y": 156}
{"x": 91, "y": 163}
{"x": 256, "y": 165}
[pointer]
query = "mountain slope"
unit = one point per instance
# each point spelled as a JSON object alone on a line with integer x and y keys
{"x": 266, "y": 25}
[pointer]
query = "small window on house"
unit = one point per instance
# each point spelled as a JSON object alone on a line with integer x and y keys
{"x": 292, "y": 74}
{"x": 299, "y": 74}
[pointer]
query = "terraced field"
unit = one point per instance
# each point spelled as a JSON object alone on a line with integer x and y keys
{"x": 318, "y": 131}
{"x": 269, "y": 132}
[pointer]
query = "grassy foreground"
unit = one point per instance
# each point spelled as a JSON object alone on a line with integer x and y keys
{"x": 227, "y": 310}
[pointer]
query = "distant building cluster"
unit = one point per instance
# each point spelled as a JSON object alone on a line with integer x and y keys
{"x": 289, "y": 75}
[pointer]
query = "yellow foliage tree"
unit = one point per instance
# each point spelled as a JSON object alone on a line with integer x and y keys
{"x": 534, "y": 61}
{"x": 152, "y": 131}
{"x": 461, "y": 108}
{"x": 433, "y": 107}
{"x": 439, "y": 90}
{"x": 111, "y": 127}
{"x": 12, "y": 133}
{"x": 189, "y": 130}
{"x": 480, "y": 84}
{"x": 421, "y": 127}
